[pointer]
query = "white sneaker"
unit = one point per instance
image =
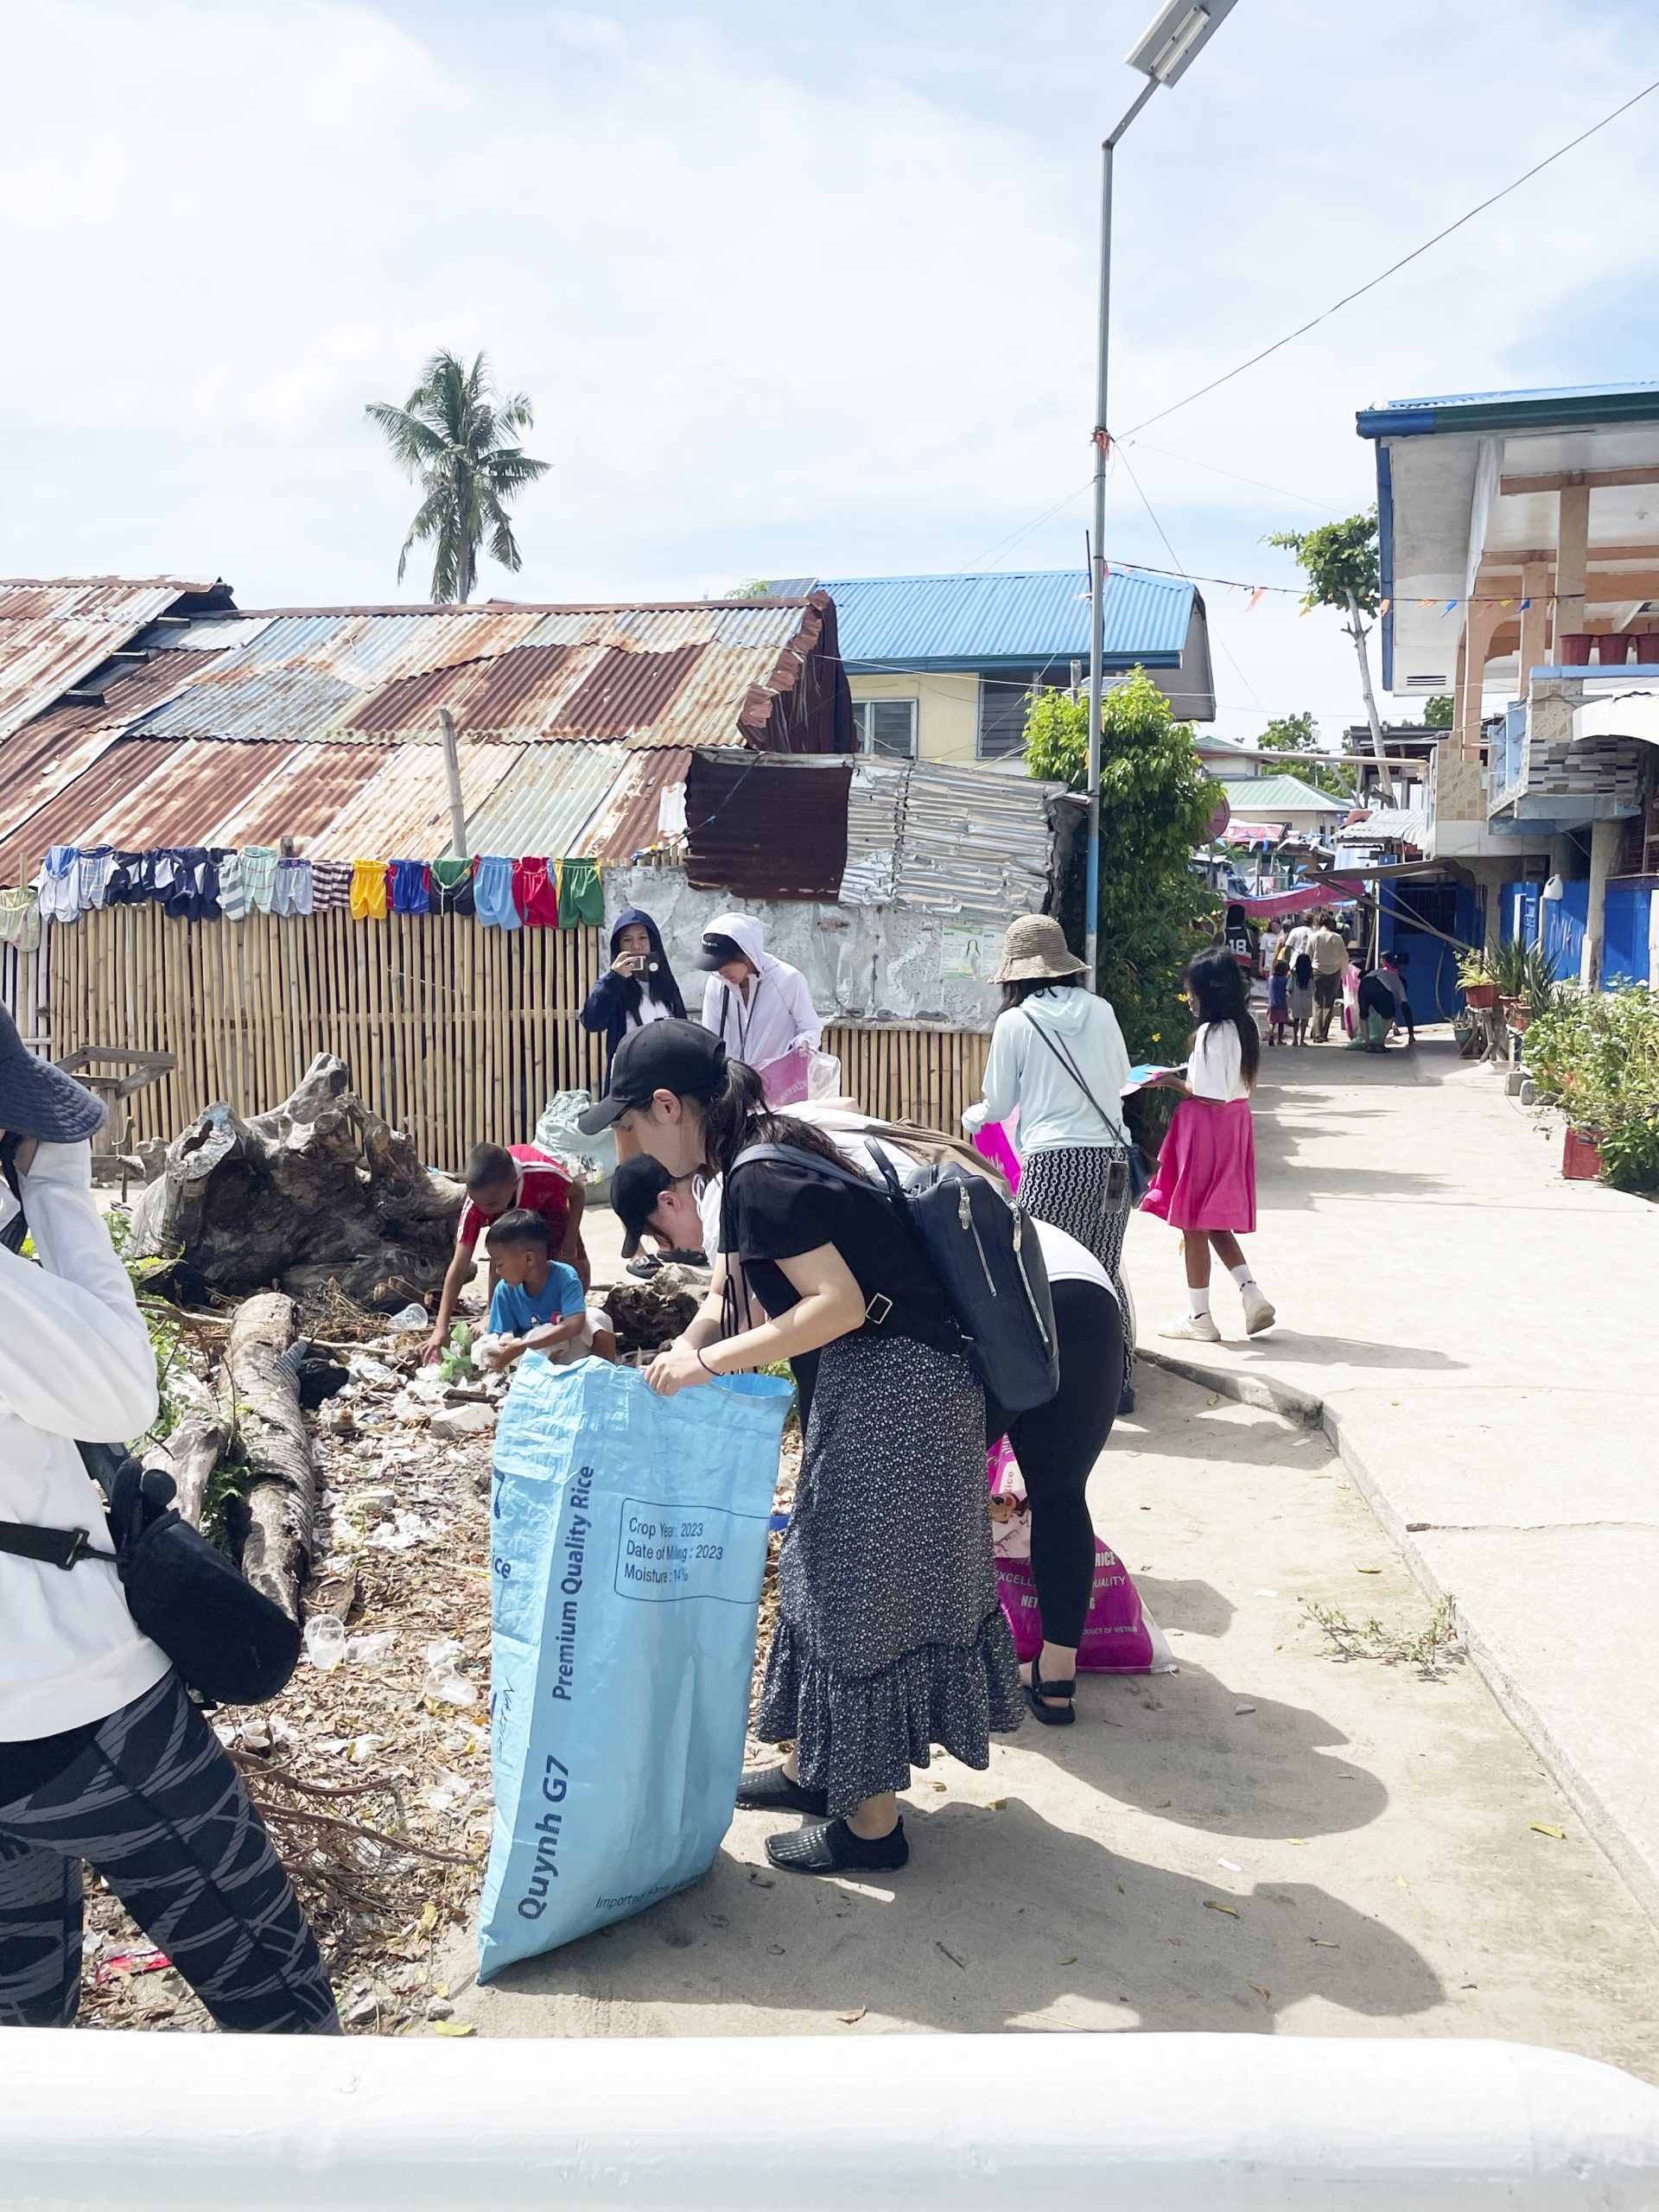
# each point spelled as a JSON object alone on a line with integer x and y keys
{"x": 1259, "y": 1312}
{"x": 1195, "y": 1329}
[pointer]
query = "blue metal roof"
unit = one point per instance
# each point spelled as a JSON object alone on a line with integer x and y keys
{"x": 1015, "y": 620}
{"x": 1494, "y": 410}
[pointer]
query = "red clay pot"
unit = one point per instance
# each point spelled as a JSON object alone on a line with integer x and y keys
{"x": 1574, "y": 650}
{"x": 1646, "y": 643}
{"x": 1483, "y": 997}
{"x": 1580, "y": 1155}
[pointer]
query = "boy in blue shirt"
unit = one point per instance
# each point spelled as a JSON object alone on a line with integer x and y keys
{"x": 538, "y": 1305}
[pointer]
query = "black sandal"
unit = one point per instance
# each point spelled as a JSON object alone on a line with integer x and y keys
{"x": 1051, "y": 1716}
{"x": 831, "y": 1847}
{"x": 769, "y": 1790}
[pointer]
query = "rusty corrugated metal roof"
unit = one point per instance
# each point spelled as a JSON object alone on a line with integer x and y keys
{"x": 403, "y": 813}
{"x": 544, "y": 805}
{"x": 55, "y": 633}
{"x": 763, "y": 827}
{"x": 510, "y": 694}
{"x": 64, "y": 819}
{"x": 974, "y": 842}
{"x": 190, "y": 786}
{"x": 306, "y": 787}
{"x": 629, "y": 691}
{"x": 626, "y": 822}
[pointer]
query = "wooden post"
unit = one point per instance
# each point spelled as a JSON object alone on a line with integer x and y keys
{"x": 1572, "y": 553}
{"x": 1535, "y": 620}
{"x": 452, "y": 778}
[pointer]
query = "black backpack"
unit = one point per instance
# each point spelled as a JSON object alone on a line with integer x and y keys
{"x": 985, "y": 1255}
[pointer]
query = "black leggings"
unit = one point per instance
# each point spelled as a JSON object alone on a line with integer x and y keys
{"x": 1058, "y": 1445}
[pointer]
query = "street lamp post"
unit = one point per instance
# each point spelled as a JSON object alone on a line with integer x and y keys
{"x": 1163, "y": 56}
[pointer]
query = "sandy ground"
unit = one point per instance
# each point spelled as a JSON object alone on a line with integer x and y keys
{"x": 1273, "y": 1839}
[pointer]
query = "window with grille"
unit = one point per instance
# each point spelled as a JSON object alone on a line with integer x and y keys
{"x": 886, "y": 727}
{"x": 1003, "y": 707}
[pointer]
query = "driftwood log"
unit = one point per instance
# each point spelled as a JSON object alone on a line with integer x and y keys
{"x": 281, "y": 1499}
{"x": 319, "y": 1190}
{"x": 189, "y": 1455}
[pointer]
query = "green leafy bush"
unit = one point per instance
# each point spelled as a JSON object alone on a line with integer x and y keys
{"x": 1155, "y": 806}
{"x": 1595, "y": 1056}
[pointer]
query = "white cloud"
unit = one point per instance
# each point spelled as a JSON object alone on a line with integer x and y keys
{"x": 779, "y": 306}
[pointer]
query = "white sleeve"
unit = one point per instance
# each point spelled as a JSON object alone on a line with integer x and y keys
{"x": 1002, "y": 1085}
{"x": 75, "y": 1357}
{"x": 802, "y": 1011}
{"x": 711, "y": 991}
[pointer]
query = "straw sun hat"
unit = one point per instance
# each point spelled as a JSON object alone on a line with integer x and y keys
{"x": 1035, "y": 950}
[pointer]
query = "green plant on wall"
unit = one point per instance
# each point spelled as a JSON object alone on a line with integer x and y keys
{"x": 1156, "y": 803}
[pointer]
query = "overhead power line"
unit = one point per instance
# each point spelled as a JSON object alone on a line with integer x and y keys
{"x": 1394, "y": 268}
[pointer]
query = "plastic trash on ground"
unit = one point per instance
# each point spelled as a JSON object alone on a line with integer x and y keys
{"x": 628, "y": 1541}
{"x": 409, "y": 1321}
{"x": 325, "y": 1641}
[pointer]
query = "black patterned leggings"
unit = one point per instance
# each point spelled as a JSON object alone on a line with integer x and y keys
{"x": 154, "y": 1805}
{"x": 1066, "y": 1188}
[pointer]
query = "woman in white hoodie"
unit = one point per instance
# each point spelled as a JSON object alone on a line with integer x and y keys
{"x": 1058, "y": 1054}
{"x": 759, "y": 1007}
{"x": 104, "y": 1760}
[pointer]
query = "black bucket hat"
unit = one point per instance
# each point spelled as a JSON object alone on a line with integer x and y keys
{"x": 37, "y": 1100}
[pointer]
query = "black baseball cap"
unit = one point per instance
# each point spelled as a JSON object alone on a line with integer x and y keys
{"x": 678, "y": 1056}
{"x": 717, "y": 951}
{"x": 636, "y": 1187}
{"x": 37, "y": 1100}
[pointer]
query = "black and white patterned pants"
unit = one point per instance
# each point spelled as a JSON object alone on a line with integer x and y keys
{"x": 153, "y": 1803}
{"x": 1066, "y": 1187}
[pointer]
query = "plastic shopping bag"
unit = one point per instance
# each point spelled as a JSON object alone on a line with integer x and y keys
{"x": 590, "y": 1159}
{"x": 1119, "y": 1636}
{"x": 995, "y": 1140}
{"x": 628, "y": 1539}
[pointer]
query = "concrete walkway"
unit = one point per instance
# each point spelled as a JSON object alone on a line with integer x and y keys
{"x": 1477, "y": 1337}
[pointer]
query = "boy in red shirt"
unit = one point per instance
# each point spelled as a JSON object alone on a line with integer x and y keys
{"x": 501, "y": 1177}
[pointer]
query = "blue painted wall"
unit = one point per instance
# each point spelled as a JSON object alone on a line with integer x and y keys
{"x": 1624, "y": 948}
{"x": 1432, "y": 965}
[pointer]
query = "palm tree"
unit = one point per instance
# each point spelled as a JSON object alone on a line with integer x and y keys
{"x": 452, "y": 435}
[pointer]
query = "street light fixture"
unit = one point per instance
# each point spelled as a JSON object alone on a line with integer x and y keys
{"x": 1171, "y": 45}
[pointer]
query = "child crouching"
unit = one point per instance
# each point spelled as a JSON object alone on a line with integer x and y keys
{"x": 539, "y": 1304}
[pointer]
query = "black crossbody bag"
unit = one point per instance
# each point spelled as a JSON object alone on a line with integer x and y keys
{"x": 1139, "y": 1167}
{"x": 229, "y": 1642}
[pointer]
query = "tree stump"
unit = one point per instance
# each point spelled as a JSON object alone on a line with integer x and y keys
{"x": 189, "y": 1455}
{"x": 319, "y": 1190}
{"x": 282, "y": 1496}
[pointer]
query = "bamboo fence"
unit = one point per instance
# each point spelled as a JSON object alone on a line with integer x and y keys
{"x": 452, "y": 1032}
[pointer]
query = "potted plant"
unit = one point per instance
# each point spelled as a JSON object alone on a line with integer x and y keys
{"x": 1525, "y": 978}
{"x": 1475, "y": 982}
{"x": 1595, "y": 1057}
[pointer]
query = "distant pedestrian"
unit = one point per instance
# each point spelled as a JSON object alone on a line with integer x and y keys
{"x": 1204, "y": 1185}
{"x": 1278, "y": 1000}
{"x": 638, "y": 986}
{"x": 1241, "y": 939}
{"x": 1301, "y": 995}
{"x": 1391, "y": 971}
{"x": 1329, "y": 950}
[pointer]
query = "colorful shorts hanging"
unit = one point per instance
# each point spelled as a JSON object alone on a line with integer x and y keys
{"x": 408, "y": 883}
{"x": 368, "y": 891}
{"x": 293, "y": 892}
{"x": 452, "y": 888}
{"x": 233, "y": 891}
{"x": 131, "y": 879}
{"x": 259, "y": 876}
{"x": 493, "y": 891}
{"x": 92, "y": 873}
{"x": 56, "y": 885}
{"x": 582, "y": 895}
{"x": 20, "y": 919}
{"x": 535, "y": 895}
{"x": 331, "y": 885}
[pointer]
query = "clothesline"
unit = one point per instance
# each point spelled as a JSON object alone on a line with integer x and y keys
{"x": 217, "y": 883}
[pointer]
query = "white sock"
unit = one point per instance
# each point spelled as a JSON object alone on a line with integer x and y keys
{"x": 1242, "y": 1275}
{"x": 1198, "y": 1303}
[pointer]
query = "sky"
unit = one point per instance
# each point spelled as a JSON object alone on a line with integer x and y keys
{"x": 792, "y": 290}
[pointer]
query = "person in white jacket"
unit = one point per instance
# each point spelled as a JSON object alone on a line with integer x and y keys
{"x": 104, "y": 1760}
{"x": 1058, "y": 1054}
{"x": 759, "y": 1007}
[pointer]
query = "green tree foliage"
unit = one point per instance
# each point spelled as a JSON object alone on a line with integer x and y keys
{"x": 1155, "y": 806}
{"x": 1340, "y": 561}
{"x": 1300, "y": 734}
{"x": 1437, "y": 711}
{"x": 454, "y": 435}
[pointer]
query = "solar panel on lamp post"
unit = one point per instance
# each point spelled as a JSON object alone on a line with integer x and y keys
{"x": 1170, "y": 46}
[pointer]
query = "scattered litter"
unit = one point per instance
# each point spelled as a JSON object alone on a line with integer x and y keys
{"x": 409, "y": 1321}
{"x": 1267, "y": 1593}
{"x": 325, "y": 1641}
{"x": 404, "y": 1532}
{"x": 1370, "y": 1570}
{"x": 1266, "y": 1995}
{"x": 1070, "y": 1961}
{"x": 1215, "y": 1904}
{"x": 1400, "y": 1883}
{"x": 131, "y": 1962}
{"x": 1232, "y": 1865}
{"x": 996, "y": 1805}
{"x": 1300, "y": 1841}
{"x": 362, "y": 1368}
{"x": 1548, "y": 1827}
{"x": 364, "y": 1748}
{"x": 1243, "y": 1708}
{"x": 1325, "y": 1942}
{"x": 453, "y": 2028}
{"x": 368, "y": 1650}
{"x": 442, "y": 1680}
{"x": 950, "y": 1954}
{"x": 463, "y": 1424}
{"x": 851, "y": 2020}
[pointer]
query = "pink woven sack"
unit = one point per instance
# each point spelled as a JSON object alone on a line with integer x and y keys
{"x": 1119, "y": 1636}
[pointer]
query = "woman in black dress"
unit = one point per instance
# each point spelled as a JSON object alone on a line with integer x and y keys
{"x": 890, "y": 1637}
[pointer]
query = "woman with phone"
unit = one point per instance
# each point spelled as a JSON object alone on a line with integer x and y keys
{"x": 638, "y": 986}
{"x": 1059, "y": 1056}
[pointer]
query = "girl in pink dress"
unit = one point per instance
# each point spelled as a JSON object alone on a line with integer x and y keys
{"x": 1204, "y": 1185}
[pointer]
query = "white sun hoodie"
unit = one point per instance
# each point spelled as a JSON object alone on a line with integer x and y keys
{"x": 75, "y": 1361}
{"x": 770, "y": 1016}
